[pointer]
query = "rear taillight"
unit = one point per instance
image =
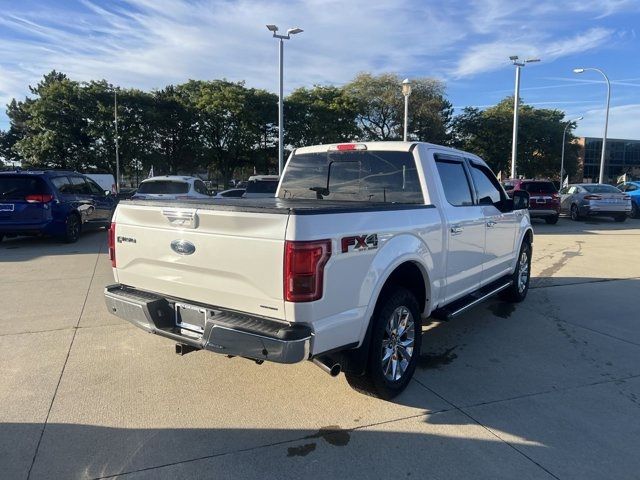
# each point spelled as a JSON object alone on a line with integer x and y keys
{"x": 626, "y": 197}
{"x": 304, "y": 269}
{"x": 592, "y": 197}
{"x": 112, "y": 244}
{"x": 38, "y": 198}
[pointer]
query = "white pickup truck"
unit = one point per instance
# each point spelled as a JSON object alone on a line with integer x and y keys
{"x": 362, "y": 243}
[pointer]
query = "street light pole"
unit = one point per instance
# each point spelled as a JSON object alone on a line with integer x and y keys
{"x": 516, "y": 108}
{"x": 406, "y": 91}
{"x": 564, "y": 134}
{"x": 606, "y": 117}
{"x": 115, "y": 116}
{"x": 281, "y": 38}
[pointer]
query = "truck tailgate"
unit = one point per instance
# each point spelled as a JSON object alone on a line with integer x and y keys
{"x": 236, "y": 262}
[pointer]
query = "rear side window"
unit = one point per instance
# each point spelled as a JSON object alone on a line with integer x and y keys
{"x": 79, "y": 186}
{"x": 538, "y": 187}
{"x": 262, "y": 186}
{"x": 16, "y": 187}
{"x": 164, "y": 186}
{"x": 63, "y": 185}
{"x": 358, "y": 176}
{"x": 455, "y": 183}
{"x": 233, "y": 193}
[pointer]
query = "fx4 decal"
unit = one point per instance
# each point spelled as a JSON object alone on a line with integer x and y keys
{"x": 359, "y": 243}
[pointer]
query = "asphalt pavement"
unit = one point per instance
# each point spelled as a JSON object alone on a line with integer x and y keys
{"x": 549, "y": 388}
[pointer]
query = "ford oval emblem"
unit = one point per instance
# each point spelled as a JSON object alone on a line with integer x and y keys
{"x": 183, "y": 247}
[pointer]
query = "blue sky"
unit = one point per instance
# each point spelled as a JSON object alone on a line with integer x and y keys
{"x": 466, "y": 43}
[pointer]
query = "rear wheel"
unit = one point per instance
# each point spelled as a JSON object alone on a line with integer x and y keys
{"x": 517, "y": 292}
{"x": 551, "y": 220}
{"x": 72, "y": 229}
{"x": 635, "y": 211}
{"x": 620, "y": 218}
{"x": 395, "y": 346}
{"x": 575, "y": 213}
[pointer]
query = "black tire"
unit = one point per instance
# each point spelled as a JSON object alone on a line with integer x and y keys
{"x": 375, "y": 382}
{"x": 551, "y": 220}
{"x": 635, "y": 211}
{"x": 575, "y": 213}
{"x": 517, "y": 292}
{"x": 620, "y": 218}
{"x": 72, "y": 229}
{"x": 1, "y": 237}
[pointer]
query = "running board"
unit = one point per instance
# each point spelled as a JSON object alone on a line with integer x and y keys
{"x": 454, "y": 309}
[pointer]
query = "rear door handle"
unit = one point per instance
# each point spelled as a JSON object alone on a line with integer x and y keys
{"x": 456, "y": 230}
{"x": 491, "y": 224}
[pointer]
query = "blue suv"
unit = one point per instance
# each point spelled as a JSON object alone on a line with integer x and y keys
{"x": 52, "y": 202}
{"x": 633, "y": 190}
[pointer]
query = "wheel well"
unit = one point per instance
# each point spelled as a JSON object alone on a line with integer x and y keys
{"x": 410, "y": 276}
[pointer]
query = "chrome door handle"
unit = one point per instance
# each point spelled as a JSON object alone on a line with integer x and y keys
{"x": 491, "y": 224}
{"x": 456, "y": 230}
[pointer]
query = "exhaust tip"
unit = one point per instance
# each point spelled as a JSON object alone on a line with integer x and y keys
{"x": 328, "y": 366}
{"x": 335, "y": 370}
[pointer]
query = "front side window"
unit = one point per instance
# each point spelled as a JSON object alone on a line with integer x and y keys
{"x": 486, "y": 187}
{"x": 200, "y": 187}
{"x": 358, "y": 176}
{"x": 455, "y": 183}
{"x": 79, "y": 186}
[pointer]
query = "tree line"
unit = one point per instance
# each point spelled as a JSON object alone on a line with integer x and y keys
{"x": 228, "y": 130}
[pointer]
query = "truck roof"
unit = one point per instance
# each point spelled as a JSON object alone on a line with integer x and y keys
{"x": 379, "y": 146}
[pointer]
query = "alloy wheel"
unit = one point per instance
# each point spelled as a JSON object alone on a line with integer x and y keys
{"x": 398, "y": 343}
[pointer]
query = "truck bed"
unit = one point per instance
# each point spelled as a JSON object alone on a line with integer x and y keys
{"x": 279, "y": 206}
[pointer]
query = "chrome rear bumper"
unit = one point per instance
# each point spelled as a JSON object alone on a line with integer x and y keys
{"x": 225, "y": 332}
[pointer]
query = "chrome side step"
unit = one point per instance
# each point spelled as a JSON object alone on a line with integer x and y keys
{"x": 462, "y": 305}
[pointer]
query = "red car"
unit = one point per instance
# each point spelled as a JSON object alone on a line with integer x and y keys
{"x": 544, "y": 199}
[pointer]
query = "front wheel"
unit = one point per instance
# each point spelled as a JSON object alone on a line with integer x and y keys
{"x": 635, "y": 211}
{"x": 395, "y": 346}
{"x": 517, "y": 292}
{"x": 551, "y": 220}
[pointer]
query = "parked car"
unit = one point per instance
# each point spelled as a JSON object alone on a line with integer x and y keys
{"x": 544, "y": 200}
{"x": 171, "y": 187}
{"x": 231, "y": 193}
{"x": 261, "y": 186}
{"x": 105, "y": 180}
{"x": 371, "y": 239}
{"x": 633, "y": 190}
{"x": 590, "y": 199}
{"x": 57, "y": 203}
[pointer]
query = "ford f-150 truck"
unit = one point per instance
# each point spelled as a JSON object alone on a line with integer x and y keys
{"x": 362, "y": 243}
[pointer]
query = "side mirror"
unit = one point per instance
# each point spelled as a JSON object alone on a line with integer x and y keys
{"x": 520, "y": 200}
{"x": 107, "y": 192}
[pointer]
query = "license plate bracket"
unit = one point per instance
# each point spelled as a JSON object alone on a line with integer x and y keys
{"x": 190, "y": 317}
{"x": 7, "y": 207}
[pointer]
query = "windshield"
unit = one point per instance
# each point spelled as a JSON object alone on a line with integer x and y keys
{"x": 538, "y": 187}
{"x": 16, "y": 187}
{"x": 163, "y": 186}
{"x": 600, "y": 189}
{"x": 262, "y": 186}
{"x": 359, "y": 176}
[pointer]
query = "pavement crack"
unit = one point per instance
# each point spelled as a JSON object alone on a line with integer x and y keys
{"x": 64, "y": 365}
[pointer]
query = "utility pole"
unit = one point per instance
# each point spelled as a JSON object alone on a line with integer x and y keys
{"x": 115, "y": 116}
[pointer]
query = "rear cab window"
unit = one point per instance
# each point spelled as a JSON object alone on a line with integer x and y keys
{"x": 356, "y": 176}
{"x": 17, "y": 187}
{"x": 539, "y": 187}
{"x": 163, "y": 187}
{"x": 262, "y": 186}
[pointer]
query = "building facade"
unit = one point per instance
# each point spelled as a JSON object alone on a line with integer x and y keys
{"x": 622, "y": 156}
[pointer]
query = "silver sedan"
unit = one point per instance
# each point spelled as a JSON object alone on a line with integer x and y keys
{"x": 588, "y": 199}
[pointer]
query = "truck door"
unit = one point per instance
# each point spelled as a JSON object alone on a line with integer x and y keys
{"x": 464, "y": 225}
{"x": 500, "y": 226}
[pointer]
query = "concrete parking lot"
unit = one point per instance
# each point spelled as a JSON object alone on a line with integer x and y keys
{"x": 546, "y": 389}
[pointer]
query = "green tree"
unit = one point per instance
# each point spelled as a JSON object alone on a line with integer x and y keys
{"x": 320, "y": 115}
{"x": 488, "y": 133}
{"x": 380, "y": 106}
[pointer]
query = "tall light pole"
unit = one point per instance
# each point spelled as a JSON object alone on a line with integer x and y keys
{"x": 406, "y": 91}
{"x": 606, "y": 118}
{"x": 564, "y": 135}
{"x": 291, "y": 31}
{"x": 516, "y": 107}
{"x": 115, "y": 117}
